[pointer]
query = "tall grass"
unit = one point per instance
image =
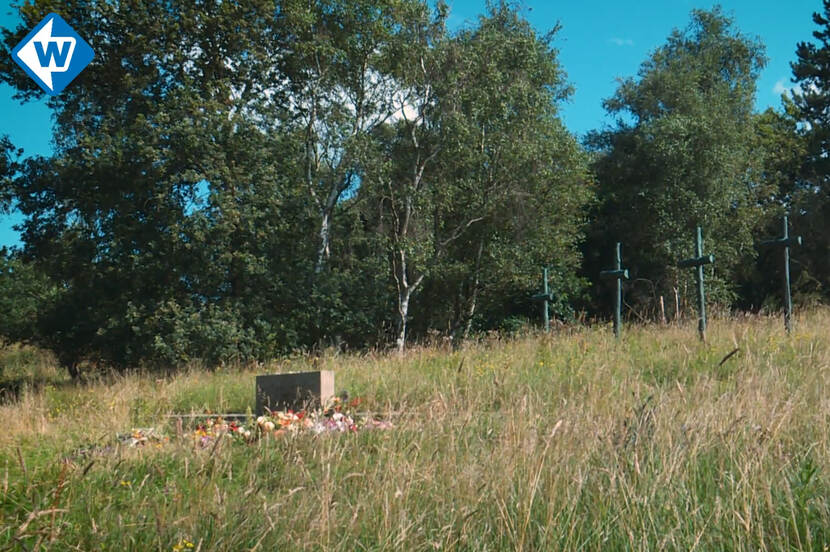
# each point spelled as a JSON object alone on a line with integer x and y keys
{"x": 564, "y": 442}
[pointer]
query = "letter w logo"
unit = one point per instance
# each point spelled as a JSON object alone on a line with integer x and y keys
{"x": 60, "y": 54}
{"x": 53, "y": 54}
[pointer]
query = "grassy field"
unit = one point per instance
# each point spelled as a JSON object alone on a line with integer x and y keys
{"x": 563, "y": 442}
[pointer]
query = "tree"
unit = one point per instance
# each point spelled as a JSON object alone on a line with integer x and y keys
{"x": 236, "y": 180}
{"x": 175, "y": 215}
{"x": 24, "y": 291}
{"x": 811, "y": 73}
{"x": 404, "y": 152}
{"x": 680, "y": 156}
{"x": 482, "y": 183}
{"x": 811, "y": 198}
{"x": 140, "y": 135}
{"x": 337, "y": 69}
{"x": 8, "y": 168}
{"x": 781, "y": 150}
{"x": 509, "y": 167}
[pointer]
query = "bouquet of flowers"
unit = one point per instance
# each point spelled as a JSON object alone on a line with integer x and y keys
{"x": 337, "y": 416}
{"x": 215, "y": 428}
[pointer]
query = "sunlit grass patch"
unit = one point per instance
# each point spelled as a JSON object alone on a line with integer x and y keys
{"x": 568, "y": 441}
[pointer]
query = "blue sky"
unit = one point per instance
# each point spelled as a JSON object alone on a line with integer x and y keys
{"x": 599, "y": 42}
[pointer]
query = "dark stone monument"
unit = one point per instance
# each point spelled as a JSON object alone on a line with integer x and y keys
{"x": 294, "y": 391}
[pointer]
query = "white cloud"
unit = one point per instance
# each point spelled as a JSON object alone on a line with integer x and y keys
{"x": 780, "y": 87}
{"x": 784, "y": 87}
{"x": 621, "y": 41}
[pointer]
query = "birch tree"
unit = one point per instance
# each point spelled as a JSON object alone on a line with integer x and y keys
{"x": 509, "y": 166}
{"x": 337, "y": 64}
{"x": 478, "y": 160}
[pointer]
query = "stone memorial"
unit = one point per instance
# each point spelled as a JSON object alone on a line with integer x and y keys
{"x": 295, "y": 391}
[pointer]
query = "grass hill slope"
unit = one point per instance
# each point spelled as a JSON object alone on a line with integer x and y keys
{"x": 564, "y": 442}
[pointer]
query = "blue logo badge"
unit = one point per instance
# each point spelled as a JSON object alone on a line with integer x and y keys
{"x": 53, "y": 54}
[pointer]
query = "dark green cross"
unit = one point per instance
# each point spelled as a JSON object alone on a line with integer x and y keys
{"x": 786, "y": 241}
{"x": 697, "y": 262}
{"x": 546, "y": 297}
{"x": 619, "y": 274}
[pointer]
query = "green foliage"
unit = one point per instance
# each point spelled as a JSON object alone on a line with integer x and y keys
{"x": 681, "y": 156}
{"x": 811, "y": 197}
{"x": 236, "y": 181}
{"x": 136, "y": 134}
{"x": 24, "y": 292}
{"x": 528, "y": 173}
{"x": 499, "y": 186}
{"x": 8, "y": 168}
{"x": 811, "y": 72}
{"x": 782, "y": 149}
{"x": 219, "y": 187}
{"x": 173, "y": 214}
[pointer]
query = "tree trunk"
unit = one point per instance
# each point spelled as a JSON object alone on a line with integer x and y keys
{"x": 676, "y": 305}
{"x": 74, "y": 372}
{"x": 326, "y": 215}
{"x": 403, "y": 311}
{"x": 474, "y": 295}
{"x": 325, "y": 236}
{"x": 471, "y": 312}
{"x": 405, "y": 290}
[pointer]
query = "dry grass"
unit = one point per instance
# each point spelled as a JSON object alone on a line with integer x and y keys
{"x": 565, "y": 442}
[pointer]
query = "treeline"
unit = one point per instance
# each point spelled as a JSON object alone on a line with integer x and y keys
{"x": 233, "y": 181}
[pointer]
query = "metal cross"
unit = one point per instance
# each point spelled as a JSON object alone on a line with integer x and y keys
{"x": 697, "y": 262}
{"x": 619, "y": 274}
{"x": 786, "y": 241}
{"x": 546, "y": 297}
